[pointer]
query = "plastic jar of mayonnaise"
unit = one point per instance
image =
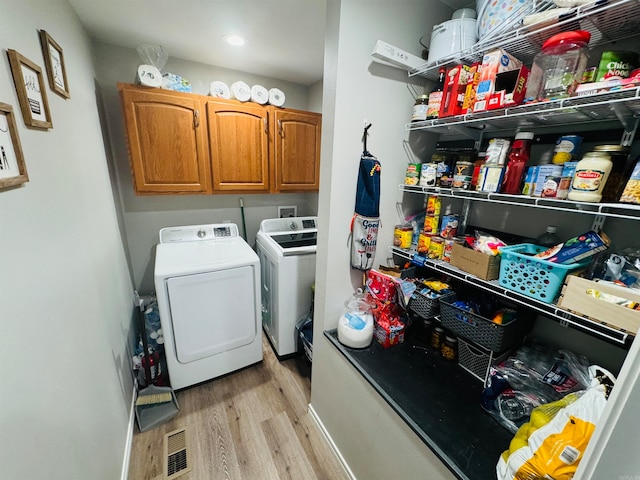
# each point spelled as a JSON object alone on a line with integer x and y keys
{"x": 590, "y": 177}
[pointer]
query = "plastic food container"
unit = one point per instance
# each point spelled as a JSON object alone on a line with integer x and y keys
{"x": 558, "y": 68}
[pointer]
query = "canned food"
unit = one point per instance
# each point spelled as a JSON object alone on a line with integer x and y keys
{"x": 449, "y": 226}
{"x": 402, "y": 236}
{"x": 412, "y": 177}
{"x": 423, "y": 243}
{"x": 436, "y": 247}
{"x": 462, "y": 175}
{"x": 567, "y": 149}
{"x": 437, "y": 336}
{"x": 447, "y": 249}
{"x": 431, "y": 224}
{"x": 433, "y": 205}
{"x": 428, "y": 175}
{"x": 449, "y": 348}
{"x": 616, "y": 180}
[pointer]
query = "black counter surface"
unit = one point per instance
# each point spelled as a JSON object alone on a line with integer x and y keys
{"x": 438, "y": 400}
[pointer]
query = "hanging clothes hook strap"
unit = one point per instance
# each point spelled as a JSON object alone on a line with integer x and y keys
{"x": 365, "y": 134}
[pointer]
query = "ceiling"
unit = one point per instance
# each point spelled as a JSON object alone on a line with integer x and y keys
{"x": 285, "y": 37}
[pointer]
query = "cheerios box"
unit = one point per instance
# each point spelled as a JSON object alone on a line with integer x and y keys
{"x": 494, "y": 62}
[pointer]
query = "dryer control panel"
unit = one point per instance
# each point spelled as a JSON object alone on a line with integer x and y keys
{"x": 198, "y": 233}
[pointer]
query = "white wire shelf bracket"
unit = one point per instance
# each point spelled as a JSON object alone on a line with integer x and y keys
{"x": 565, "y": 317}
{"x": 606, "y": 20}
{"x": 614, "y": 210}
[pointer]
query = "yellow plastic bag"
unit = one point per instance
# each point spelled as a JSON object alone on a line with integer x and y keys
{"x": 552, "y": 443}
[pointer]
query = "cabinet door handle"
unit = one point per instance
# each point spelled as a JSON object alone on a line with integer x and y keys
{"x": 280, "y": 130}
{"x": 266, "y": 125}
{"x": 196, "y": 118}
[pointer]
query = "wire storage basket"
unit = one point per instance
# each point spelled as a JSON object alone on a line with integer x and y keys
{"x": 530, "y": 276}
{"x": 477, "y": 360}
{"x": 424, "y": 306}
{"x": 483, "y": 331}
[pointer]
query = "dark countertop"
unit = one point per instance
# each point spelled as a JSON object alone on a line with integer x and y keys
{"x": 437, "y": 399}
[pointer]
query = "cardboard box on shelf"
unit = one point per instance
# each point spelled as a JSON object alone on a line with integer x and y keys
{"x": 472, "y": 86}
{"x": 510, "y": 88}
{"x": 455, "y": 86}
{"x": 388, "y": 333}
{"x": 494, "y": 62}
{"x": 576, "y": 296}
{"x": 479, "y": 264}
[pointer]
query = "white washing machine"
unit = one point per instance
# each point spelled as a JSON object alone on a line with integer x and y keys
{"x": 207, "y": 281}
{"x": 287, "y": 251}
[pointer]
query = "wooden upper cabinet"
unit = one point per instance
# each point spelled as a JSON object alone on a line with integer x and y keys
{"x": 167, "y": 141}
{"x": 238, "y": 135}
{"x": 296, "y": 150}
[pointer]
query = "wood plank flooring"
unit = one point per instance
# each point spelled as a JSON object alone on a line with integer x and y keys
{"x": 249, "y": 425}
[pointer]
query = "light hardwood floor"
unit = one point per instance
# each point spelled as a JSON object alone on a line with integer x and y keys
{"x": 249, "y": 425}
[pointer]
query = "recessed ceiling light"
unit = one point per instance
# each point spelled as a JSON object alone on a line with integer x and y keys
{"x": 235, "y": 40}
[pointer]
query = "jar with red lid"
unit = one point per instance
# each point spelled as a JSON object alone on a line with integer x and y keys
{"x": 558, "y": 68}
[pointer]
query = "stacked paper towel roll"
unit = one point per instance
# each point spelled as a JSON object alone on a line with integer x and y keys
{"x": 240, "y": 91}
{"x": 220, "y": 90}
{"x": 149, "y": 76}
{"x": 259, "y": 94}
{"x": 276, "y": 97}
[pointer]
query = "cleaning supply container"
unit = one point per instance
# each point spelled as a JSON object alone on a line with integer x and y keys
{"x": 558, "y": 68}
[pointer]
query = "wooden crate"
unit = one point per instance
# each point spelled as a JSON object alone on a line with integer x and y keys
{"x": 574, "y": 297}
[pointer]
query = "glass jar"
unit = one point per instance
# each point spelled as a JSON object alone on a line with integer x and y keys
{"x": 419, "y": 112}
{"x": 449, "y": 348}
{"x": 616, "y": 181}
{"x": 590, "y": 177}
{"x": 437, "y": 336}
{"x": 557, "y": 69}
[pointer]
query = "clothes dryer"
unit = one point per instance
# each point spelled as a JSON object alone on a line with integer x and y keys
{"x": 207, "y": 281}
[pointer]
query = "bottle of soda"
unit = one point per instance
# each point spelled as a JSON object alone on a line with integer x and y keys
{"x": 435, "y": 97}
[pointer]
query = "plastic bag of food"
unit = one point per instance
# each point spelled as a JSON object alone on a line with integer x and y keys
{"x": 555, "y": 448}
{"x": 533, "y": 376}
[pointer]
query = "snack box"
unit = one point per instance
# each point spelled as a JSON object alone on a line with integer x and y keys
{"x": 479, "y": 264}
{"x": 472, "y": 86}
{"x": 607, "y": 85}
{"x": 388, "y": 333}
{"x": 510, "y": 88}
{"x": 577, "y": 296}
{"x": 576, "y": 248}
{"x": 454, "y": 90}
{"x": 494, "y": 62}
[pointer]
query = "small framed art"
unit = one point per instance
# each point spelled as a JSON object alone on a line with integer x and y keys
{"x": 13, "y": 171}
{"x": 54, "y": 63}
{"x": 32, "y": 94}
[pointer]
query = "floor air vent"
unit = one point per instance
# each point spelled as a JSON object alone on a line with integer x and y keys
{"x": 176, "y": 454}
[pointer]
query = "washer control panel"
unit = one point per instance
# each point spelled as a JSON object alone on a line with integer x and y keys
{"x": 198, "y": 233}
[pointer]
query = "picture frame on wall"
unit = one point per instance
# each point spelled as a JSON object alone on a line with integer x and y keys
{"x": 54, "y": 63}
{"x": 13, "y": 170}
{"x": 32, "y": 94}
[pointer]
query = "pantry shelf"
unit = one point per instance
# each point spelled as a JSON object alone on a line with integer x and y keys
{"x": 566, "y": 318}
{"x": 621, "y": 106}
{"x": 612, "y": 210}
{"x": 606, "y": 20}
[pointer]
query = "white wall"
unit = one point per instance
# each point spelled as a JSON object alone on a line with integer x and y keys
{"x": 65, "y": 291}
{"x": 144, "y": 216}
{"x": 355, "y": 89}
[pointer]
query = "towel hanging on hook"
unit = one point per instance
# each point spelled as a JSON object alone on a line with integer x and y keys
{"x": 366, "y": 219}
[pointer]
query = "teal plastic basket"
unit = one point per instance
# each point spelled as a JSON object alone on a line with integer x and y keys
{"x": 534, "y": 277}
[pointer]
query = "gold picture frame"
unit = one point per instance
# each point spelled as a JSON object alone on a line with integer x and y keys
{"x": 32, "y": 94}
{"x": 54, "y": 63}
{"x": 13, "y": 170}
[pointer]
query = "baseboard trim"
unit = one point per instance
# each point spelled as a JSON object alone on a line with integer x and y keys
{"x": 129, "y": 441}
{"x": 331, "y": 443}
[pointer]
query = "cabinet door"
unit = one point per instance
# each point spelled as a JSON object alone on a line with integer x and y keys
{"x": 296, "y": 150}
{"x": 167, "y": 148}
{"x": 239, "y": 146}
